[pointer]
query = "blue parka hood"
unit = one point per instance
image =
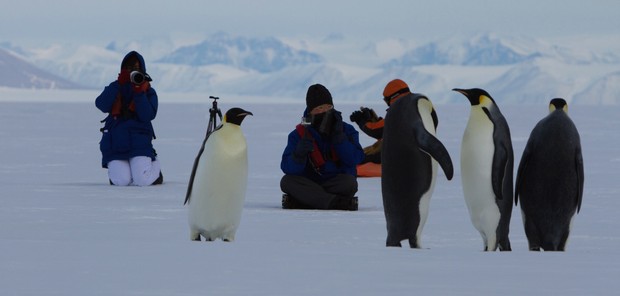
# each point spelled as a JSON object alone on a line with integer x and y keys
{"x": 138, "y": 56}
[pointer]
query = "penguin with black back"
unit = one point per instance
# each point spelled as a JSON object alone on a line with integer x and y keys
{"x": 409, "y": 158}
{"x": 550, "y": 180}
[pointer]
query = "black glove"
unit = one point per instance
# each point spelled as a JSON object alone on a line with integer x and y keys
{"x": 368, "y": 114}
{"x": 337, "y": 133}
{"x": 304, "y": 146}
{"x": 357, "y": 117}
{"x": 363, "y": 115}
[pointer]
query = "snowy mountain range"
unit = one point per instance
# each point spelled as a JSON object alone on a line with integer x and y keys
{"x": 263, "y": 55}
{"x": 17, "y": 73}
{"x": 512, "y": 69}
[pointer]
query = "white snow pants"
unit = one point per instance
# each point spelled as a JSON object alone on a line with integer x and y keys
{"x": 138, "y": 171}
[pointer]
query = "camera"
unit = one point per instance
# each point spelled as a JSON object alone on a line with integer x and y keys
{"x": 327, "y": 122}
{"x": 322, "y": 122}
{"x": 136, "y": 77}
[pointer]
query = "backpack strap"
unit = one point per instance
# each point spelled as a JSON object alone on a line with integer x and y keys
{"x": 120, "y": 109}
{"x": 316, "y": 158}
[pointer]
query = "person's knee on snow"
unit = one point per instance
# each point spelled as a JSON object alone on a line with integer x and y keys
{"x": 144, "y": 171}
{"x": 119, "y": 172}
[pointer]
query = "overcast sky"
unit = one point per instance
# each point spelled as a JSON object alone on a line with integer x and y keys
{"x": 40, "y": 22}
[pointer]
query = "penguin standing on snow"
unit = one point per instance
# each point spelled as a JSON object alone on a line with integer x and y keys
{"x": 486, "y": 169}
{"x": 410, "y": 152}
{"x": 550, "y": 179}
{"x": 218, "y": 182}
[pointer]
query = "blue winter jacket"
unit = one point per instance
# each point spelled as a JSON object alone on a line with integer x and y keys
{"x": 127, "y": 136}
{"x": 349, "y": 155}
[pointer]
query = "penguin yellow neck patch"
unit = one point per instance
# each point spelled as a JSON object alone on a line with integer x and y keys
{"x": 485, "y": 101}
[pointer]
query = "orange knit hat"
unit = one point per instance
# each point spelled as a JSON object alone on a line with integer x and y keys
{"x": 395, "y": 89}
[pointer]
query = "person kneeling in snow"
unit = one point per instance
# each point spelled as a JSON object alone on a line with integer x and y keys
{"x": 320, "y": 159}
{"x": 126, "y": 147}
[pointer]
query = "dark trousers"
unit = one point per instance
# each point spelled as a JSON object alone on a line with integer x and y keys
{"x": 315, "y": 195}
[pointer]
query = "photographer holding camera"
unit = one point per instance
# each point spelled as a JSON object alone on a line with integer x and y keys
{"x": 126, "y": 141}
{"x": 320, "y": 159}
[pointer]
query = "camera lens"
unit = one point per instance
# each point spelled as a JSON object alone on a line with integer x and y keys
{"x": 326, "y": 122}
{"x": 136, "y": 77}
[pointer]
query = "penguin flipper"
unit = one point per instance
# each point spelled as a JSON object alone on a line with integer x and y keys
{"x": 190, "y": 185}
{"x": 498, "y": 173}
{"x": 522, "y": 167}
{"x": 430, "y": 145}
{"x": 435, "y": 118}
{"x": 580, "y": 177}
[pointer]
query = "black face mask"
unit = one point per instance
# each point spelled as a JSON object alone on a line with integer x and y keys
{"x": 315, "y": 120}
{"x": 323, "y": 122}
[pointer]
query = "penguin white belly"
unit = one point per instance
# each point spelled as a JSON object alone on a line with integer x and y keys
{"x": 424, "y": 205}
{"x": 219, "y": 186}
{"x": 476, "y": 168}
{"x": 425, "y": 201}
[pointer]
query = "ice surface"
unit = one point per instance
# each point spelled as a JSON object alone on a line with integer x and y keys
{"x": 65, "y": 231}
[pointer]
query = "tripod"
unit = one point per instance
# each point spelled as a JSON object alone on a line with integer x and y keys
{"x": 213, "y": 111}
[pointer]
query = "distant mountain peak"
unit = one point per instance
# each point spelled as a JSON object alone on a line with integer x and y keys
{"x": 480, "y": 50}
{"x": 17, "y": 73}
{"x": 260, "y": 54}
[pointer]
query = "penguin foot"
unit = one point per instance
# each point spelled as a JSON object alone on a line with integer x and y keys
{"x": 392, "y": 244}
{"x": 413, "y": 243}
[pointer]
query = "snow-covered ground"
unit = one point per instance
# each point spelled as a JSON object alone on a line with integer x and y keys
{"x": 65, "y": 231}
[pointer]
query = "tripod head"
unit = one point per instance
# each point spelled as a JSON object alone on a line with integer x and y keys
{"x": 214, "y": 112}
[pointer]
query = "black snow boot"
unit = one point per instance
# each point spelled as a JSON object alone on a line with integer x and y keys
{"x": 290, "y": 203}
{"x": 344, "y": 203}
{"x": 159, "y": 180}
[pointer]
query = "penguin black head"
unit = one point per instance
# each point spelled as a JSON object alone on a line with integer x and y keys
{"x": 558, "y": 104}
{"x": 236, "y": 115}
{"x": 476, "y": 96}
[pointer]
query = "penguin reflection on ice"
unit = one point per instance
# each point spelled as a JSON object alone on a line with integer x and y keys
{"x": 218, "y": 182}
{"x": 486, "y": 169}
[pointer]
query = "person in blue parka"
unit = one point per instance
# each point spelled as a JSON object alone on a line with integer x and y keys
{"x": 126, "y": 143}
{"x": 320, "y": 159}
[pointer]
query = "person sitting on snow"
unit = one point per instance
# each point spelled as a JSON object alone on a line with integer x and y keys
{"x": 320, "y": 159}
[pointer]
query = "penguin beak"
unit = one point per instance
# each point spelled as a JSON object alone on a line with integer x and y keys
{"x": 472, "y": 101}
{"x": 244, "y": 114}
{"x": 462, "y": 91}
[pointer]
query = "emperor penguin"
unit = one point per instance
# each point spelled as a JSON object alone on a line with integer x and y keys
{"x": 550, "y": 179}
{"x": 486, "y": 169}
{"x": 410, "y": 153}
{"x": 218, "y": 182}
